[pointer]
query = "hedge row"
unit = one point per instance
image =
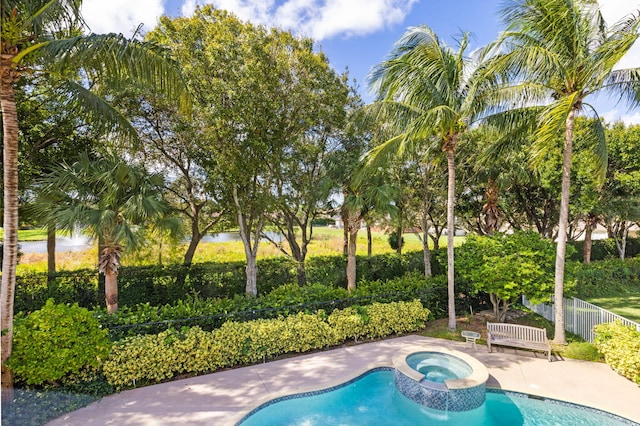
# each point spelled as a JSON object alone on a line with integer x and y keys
{"x": 159, "y": 285}
{"x": 147, "y": 359}
{"x": 288, "y": 299}
{"x": 605, "y": 249}
{"x": 620, "y": 346}
{"x": 607, "y": 278}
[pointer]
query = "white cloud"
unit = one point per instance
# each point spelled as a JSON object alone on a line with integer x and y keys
{"x": 121, "y": 16}
{"x": 320, "y": 19}
{"x": 612, "y": 12}
{"x": 633, "y": 118}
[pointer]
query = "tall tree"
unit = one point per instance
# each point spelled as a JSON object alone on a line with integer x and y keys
{"x": 42, "y": 36}
{"x": 563, "y": 51}
{"x": 172, "y": 141}
{"x": 110, "y": 200}
{"x": 257, "y": 123}
{"x": 430, "y": 93}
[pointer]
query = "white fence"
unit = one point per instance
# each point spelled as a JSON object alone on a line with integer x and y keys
{"x": 579, "y": 316}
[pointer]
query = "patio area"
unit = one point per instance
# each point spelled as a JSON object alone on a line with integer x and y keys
{"x": 223, "y": 398}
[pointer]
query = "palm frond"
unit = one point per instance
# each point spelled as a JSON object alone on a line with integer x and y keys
{"x": 96, "y": 111}
{"x": 118, "y": 60}
{"x": 550, "y": 133}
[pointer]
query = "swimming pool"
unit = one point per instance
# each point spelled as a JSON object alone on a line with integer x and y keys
{"x": 373, "y": 399}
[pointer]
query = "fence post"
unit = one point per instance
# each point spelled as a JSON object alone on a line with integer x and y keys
{"x": 575, "y": 316}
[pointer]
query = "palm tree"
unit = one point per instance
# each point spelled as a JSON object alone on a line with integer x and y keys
{"x": 43, "y": 36}
{"x": 557, "y": 53}
{"x": 110, "y": 201}
{"x": 431, "y": 94}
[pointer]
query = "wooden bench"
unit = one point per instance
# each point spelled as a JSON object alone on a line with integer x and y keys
{"x": 520, "y": 336}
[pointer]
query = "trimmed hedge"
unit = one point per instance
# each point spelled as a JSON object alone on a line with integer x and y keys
{"x": 147, "y": 359}
{"x": 607, "y": 277}
{"x": 620, "y": 346}
{"x": 160, "y": 285}
{"x": 288, "y": 299}
{"x": 605, "y": 249}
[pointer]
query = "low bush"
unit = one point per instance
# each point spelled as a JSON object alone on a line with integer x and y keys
{"x": 620, "y": 346}
{"x": 56, "y": 341}
{"x": 149, "y": 359}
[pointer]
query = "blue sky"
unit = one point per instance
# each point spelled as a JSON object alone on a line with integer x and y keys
{"x": 357, "y": 34}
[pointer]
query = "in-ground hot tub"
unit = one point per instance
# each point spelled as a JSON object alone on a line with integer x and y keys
{"x": 440, "y": 378}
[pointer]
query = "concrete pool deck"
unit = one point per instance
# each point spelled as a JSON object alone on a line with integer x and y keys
{"x": 223, "y": 398}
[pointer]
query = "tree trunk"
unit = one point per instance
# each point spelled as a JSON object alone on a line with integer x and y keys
{"x": 620, "y": 239}
{"x": 425, "y": 247}
{"x": 10, "y": 219}
{"x": 351, "y": 257}
{"x": 588, "y": 241}
{"x": 250, "y": 251}
{"x": 451, "y": 199}
{"x": 399, "y": 234}
{"x": 252, "y": 276}
{"x": 191, "y": 250}
{"x": 345, "y": 231}
{"x": 490, "y": 208}
{"x": 51, "y": 251}
{"x": 561, "y": 247}
{"x": 369, "y": 241}
{"x": 301, "y": 273}
{"x": 111, "y": 290}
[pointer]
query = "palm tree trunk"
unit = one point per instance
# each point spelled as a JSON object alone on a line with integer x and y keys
{"x": 354, "y": 227}
{"x": 10, "y": 220}
{"x": 490, "y": 208}
{"x": 425, "y": 246}
{"x": 588, "y": 240}
{"x": 369, "y": 241}
{"x": 51, "y": 250}
{"x": 111, "y": 290}
{"x": 451, "y": 199}
{"x": 561, "y": 248}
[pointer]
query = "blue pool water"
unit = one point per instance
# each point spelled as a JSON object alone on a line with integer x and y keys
{"x": 373, "y": 399}
{"x": 438, "y": 367}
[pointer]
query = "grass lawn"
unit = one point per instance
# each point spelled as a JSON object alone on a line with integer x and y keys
{"x": 625, "y": 305}
{"x": 28, "y": 234}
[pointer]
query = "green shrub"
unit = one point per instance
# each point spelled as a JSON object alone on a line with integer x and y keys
{"x": 394, "y": 318}
{"x": 605, "y": 249}
{"x": 56, "y": 341}
{"x": 607, "y": 277}
{"x": 620, "y": 346}
{"x": 152, "y": 358}
{"x": 210, "y": 314}
{"x": 348, "y": 323}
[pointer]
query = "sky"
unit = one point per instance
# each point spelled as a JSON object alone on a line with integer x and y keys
{"x": 354, "y": 34}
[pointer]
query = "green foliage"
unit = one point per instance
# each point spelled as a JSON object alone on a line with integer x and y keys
{"x": 394, "y": 241}
{"x": 605, "y": 249}
{"x": 607, "y": 278}
{"x": 210, "y": 314}
{"x": 584, "y": 351}
{"x": 161, "y": 285}
{"x": 148, "y": 359}
{"x": 508, "y": 265}
{"x": 620, "y": 346}
{"x": 55, "y": 341}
